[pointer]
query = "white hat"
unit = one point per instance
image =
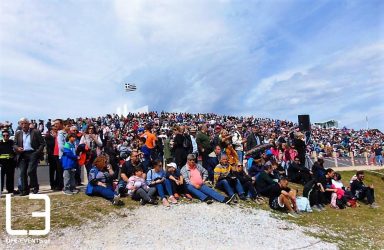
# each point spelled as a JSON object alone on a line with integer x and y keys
{"x": 172, "y": 164}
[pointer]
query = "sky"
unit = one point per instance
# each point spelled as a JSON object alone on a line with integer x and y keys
{"x": 276, "y": 59}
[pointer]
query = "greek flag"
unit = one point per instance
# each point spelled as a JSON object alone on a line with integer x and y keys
{"x": 130, "y": 87}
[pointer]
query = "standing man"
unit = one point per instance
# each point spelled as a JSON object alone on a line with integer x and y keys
{"x": 237, "y": 141}
{"x": 28, "y": 145}
{"x": 204, "y": 144}
{"x": 254, "y": 139}
{"x": 62, "y": 132}
{"x": 51, "y": 142}
{"x": 7, "y": 160}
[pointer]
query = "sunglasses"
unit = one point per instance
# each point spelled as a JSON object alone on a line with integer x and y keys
{"x": 5, "y": 135}
{"x": 191, "y": 159}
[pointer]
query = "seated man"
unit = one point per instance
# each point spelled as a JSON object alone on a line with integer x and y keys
{"x": 194, "y": 176}
{"x": 282, "y": 198}
{"x": 226, "y": 181}
{"x": 360, "y": 191}
{"x": 264, "y": 181}
{"x": 298, "y": 173}
{"x": 127, "y": 169}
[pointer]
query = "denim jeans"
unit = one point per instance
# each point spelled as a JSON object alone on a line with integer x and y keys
{"x": 204, "y": 192}
{"x": 28, "y": 167}
{"x": 240, "y": 154}
{"x": 69, "y": 179}
{"x": 160, "y": 188}
{"x": 379, "y": 160}
{"x": 225, "y": 186}
{"x": 105, "y": 192}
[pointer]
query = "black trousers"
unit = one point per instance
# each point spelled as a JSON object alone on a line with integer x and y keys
{"x": 368, "y": 193}
{"x": 59, "y": 174}
{"x": 7, "y": 173}
{"x": 27, "y": 163}
{"x": 52, "y": 162}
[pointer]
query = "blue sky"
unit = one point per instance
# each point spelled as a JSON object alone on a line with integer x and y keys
{"x": 268, "y": 58}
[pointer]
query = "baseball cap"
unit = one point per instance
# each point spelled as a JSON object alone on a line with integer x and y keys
{"x": 172, "y": 164}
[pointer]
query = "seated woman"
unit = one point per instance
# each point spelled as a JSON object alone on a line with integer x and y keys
{"x": 156, "y": 178}
{"x": 139, "y": 190}
{"x": 264, "y": 181}
{"x": 100, "y": 181}
{"x": 226, "y": 181}
{"x": 177, "y": 181}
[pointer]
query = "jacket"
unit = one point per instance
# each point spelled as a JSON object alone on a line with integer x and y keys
{"x": 37, "y": 141}
{"x": 185, "y": 172}
{"x": 69, "y": 158}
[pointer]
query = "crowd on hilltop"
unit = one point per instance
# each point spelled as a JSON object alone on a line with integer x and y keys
{"x": 181, "y": 155}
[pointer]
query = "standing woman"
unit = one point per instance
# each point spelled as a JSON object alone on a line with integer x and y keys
{"x": 92, "y": 140}
{"x": 178, "y": 147}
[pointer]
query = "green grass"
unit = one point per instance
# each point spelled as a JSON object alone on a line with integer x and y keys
{"x": 351, "y": 228}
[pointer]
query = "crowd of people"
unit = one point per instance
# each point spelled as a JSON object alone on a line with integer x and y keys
{"x": 177, "y": 156}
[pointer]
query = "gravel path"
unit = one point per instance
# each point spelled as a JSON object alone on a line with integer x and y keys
{"x": 192, "y": 226}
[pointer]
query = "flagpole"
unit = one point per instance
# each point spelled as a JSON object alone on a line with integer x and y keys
{"x": 366, "y": 118}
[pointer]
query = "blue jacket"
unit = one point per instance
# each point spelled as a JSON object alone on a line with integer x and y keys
{"x": 69, "y": 158}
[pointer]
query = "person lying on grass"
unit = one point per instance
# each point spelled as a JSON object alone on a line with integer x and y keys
{"x": 282, "y": 198}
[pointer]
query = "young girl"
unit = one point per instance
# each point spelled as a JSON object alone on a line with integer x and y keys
{"x": 139, "y": 190}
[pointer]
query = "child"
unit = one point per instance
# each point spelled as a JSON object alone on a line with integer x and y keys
{"x": 68, "y": 161}
{"x": 177, "y": 181}
{"x": 139, "y": 190}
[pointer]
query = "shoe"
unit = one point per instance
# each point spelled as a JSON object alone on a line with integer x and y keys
{"x": 228, "y": 200}
{"x": 242, "y": 197}
{"x": 24, "y": 193}
{"x": 315, "y": 208}
{"x": 117, "y": 203}
{"x": 35, "y": 190}
{"x": 172, "y": 199}
{"x": 208, "y": 201}
{"x": 165, "y": 202}
{"x": 80, "y": 184}
{"x": 67, "y": 192}
{"x": 142, "y": 202}
{"x": 188, "y": 197}
{"x": 177, "y": 196}
{"x": 153, "y": 202}
{"x": 374, "y": 205}
{"x": 53, "y": 188}
{"x": 298, "y": 212}
{"x": 293, "y": 214}
{"x": 75, "y": 191}
{"x": 16, "y": 192}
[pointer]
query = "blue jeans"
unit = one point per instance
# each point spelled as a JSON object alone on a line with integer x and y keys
{"x": 204, "y": 192}
{"x": 379, "y": 160}
{"x": 225, "y": 186}
{"x": 105, "y": 192}
{"x": 160, "y": 188}
{"x": 240, "y": 154}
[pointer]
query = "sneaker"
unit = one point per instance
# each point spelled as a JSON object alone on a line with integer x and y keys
{"x": 177, "y": 196}
{"x": 228, "y": 200}
{"x": 374, "y": 205}
{"x": 166, "y": 203}
{"x": 188, "y": 197}
{"x": 293, "y": 214}
{"x": 315, "y": 208}
{"x": 35, "y": 190}
{"x": 242, "y": 197}
{"x": 172, "y": 199}
{"x": 236, "y": 199}
{"x": 208, "y": 201}
{"x": 67, "y": 192}
{"x": 153, "y": 202}
{"x": 116, "y": 198}
{"x": 142, "y": 202}
{"x": 75, "y": 191}
{"x": 117, "y": 202}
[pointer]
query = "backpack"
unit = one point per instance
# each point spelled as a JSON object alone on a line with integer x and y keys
{"x": 187, "y": 144}
{"x": 89, "y": 189}
{"x": 303, "y": 204}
